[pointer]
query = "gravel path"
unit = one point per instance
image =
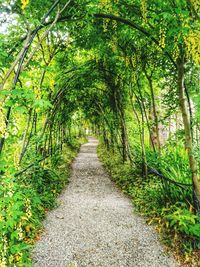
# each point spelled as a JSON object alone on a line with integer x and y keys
{"x": 95, "y": 224}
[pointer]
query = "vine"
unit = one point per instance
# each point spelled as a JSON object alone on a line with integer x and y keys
{"x": 192, "y": 42}
{"x": 114, "y": 43}
{"x": 175, "y": 52}
{"x": 143, "y": 9}
{"x": 105, "y": 24}
{"x": 110, "y": 74}
{"x": 196, "y": 4}
{"x": 107, "y": 6}
{"x": 162, "y": 37}
{"x": 3, "y": 132}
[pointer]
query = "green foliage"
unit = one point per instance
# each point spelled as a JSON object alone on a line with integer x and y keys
{"x": 182, "y": 220}
{"x": 19, "y": 217}
{"x": 172, "y": 216}
{"x": 24, "y": 202}
{"x": 105, "y": 65}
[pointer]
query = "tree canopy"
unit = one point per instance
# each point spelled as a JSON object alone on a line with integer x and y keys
{"x": 128, "y": 70}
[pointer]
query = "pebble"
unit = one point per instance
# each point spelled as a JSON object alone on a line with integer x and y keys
{"x": 95, "y": 225}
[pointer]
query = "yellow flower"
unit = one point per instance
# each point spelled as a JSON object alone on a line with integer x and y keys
{"x": 1, "y": 218}
{"x": 18, "y": 257}
{"x": 24, "y": 3}
{"x": 192, "y": 42}
{"x": 11, "y": 259}
{"x": 52, "y": 83}
{"x": 143, "y": 9}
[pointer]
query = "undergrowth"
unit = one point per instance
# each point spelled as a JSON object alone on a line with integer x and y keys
{"x": 25, "y": 200}
{"x": 173, "y": 219}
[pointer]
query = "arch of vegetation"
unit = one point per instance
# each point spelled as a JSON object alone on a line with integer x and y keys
{"x": 125, "y": 70}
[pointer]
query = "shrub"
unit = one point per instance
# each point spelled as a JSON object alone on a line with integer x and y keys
{"x": 24, "y": 201}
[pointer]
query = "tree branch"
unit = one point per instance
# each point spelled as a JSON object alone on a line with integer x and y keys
{"x": 137, "y": 27}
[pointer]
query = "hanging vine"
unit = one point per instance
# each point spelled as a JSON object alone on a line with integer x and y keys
{"x": 143, "y": 8}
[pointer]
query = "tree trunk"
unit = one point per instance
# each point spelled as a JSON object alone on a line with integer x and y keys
{"x": 155, "y": 115}
{"x": 23, "y": 148}
{"x": 187, "y": 128}
{"x": 141, "y": 100}
{"x": 124, "y": 142}
{"x": 141, "y": 133}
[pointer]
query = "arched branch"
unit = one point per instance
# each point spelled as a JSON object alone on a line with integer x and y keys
{"x": 137, "y": 27}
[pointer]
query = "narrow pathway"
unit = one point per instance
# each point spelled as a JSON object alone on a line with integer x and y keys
{"x": 95, "y": 224}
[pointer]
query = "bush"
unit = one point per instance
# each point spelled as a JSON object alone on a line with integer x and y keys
{"x": 24, "y": 202}
{"x": 19, "y": 218}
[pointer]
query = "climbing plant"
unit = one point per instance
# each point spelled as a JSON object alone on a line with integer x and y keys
{"x": 128, "y": 70}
